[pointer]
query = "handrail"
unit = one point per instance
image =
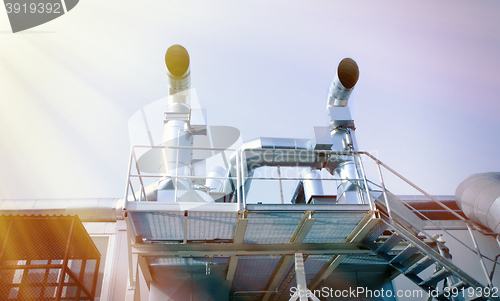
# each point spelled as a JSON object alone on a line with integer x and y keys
{"x": 133, "y": 161}
{"x": 241, "y": 178}
{"x": 438, "y": 226}
{"x": 414, "y": 186}
{"x": 467, "y": 222}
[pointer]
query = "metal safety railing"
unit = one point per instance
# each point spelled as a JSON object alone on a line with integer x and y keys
{"x": 469, "y": 224}
{"x": 134, "y": 172}
{"x": 238, "y": 168}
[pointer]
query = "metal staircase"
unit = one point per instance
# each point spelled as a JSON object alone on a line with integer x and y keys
{"x": 399, "y": 244}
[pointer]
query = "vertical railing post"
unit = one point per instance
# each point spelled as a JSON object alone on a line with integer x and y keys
{"x": 176, "y": 164}
{"x": 238, "y": 181}
{"x": 384, "y": 191}
{"x": 281, "y": 185}
{"x": 129, "y": 184}
{"x": 242, "y": 171}
{"x": 367, "y": 189}
{"x": 480, "y": 256}
{"x": 140, "y": 177}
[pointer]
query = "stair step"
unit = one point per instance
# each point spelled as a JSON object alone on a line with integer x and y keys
{"x": 390, "y": 243}
{"x": 420, "y": 266}
{"x": 459, "y": 285}
{"x": 435, "y": 278}
{"x": 414, "y": 278}
{"x": 426, "y": 248}
{"x": 375, "y": 232}
{"x": 404, "y": 255}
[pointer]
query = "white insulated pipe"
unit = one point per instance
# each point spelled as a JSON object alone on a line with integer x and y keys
{"x": 176, "y": 131}
{"x": 479, "y": 198}
{"x": 177, "y": 62}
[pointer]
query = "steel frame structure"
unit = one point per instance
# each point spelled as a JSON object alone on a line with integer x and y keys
{"x": 46, "y": 258}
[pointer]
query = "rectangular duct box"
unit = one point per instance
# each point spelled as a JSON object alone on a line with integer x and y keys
{"x": 321, "y": 140}
{"x": 198, "y": 121}
{"x": 339, "y": 117}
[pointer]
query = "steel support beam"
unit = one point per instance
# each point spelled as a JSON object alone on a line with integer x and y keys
{"x": 357, "y": 235}
{"x": 239, "y": 235}
{"x": 300, "y": 233}
{"x": 302, "y": 292}
{"x": 224, "y": 249}
{"x": 145, "y": 270}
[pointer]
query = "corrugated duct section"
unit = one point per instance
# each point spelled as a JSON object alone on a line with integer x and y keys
{"x": 479, "y": 198}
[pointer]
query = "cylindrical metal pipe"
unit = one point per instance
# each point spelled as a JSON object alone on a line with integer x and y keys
{"x": 216, "y": 185}
{"x": 177, "y": 62}
{"x": 88, "y": 210}
{"x": 342, "y": 129}
{"x": 479, "y": 198}
{"x": 312, "y": 184}
{"x": 343, "y": 83}
{"x": 284, "y": 152}
{"x": 176, "y": 131}
{"x": 178, "y": 161}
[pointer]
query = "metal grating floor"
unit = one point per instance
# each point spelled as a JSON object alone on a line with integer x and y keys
{"x": 165, "y": 226}
{"x": 332, "y": 227}
{"x": 271, "y": 226}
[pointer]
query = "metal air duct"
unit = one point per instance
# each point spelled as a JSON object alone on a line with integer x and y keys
{"x": 342, "y": 128}
{"x": 177, "y": 62}
{"x": 479, "y": 198}
{"x": 177, "y": 131}
{"x": 266, "y": 151}
{"x": 343, "y": 83}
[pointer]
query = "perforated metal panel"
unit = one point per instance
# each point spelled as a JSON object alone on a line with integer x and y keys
{"x": 333, "y": 227}
{"x": 271, "y": 227}
{"x": 46, "y": 258}
{"x": 169, "y": 226}
{"x": 253, "y": 272}
{"x": 264, "y": 228}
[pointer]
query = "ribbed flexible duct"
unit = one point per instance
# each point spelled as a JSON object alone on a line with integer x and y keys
{"x": 479, "y": 198}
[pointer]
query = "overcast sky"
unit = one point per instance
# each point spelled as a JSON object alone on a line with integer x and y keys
{"x": 427, "y": 101}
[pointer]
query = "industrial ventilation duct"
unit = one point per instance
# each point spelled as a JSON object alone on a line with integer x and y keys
{"x": 479, "y": 198}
